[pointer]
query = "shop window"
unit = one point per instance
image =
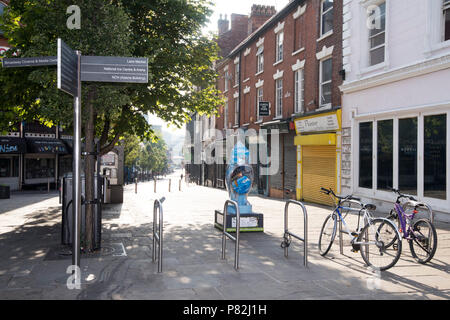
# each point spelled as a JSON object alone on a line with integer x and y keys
{"x": 385, "y": 157}
{"x": 39, "y": 168}
{"x": 9, "y": 167}
{"x": 377, "y": 34}
{"x": 5, "y": 168}
{"x": 365, "y": 154}
{"x": 407, "y": 155}
{"x": 435, "y": 151}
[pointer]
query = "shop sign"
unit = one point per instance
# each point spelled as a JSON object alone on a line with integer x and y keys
{"x": 322, "y": 123}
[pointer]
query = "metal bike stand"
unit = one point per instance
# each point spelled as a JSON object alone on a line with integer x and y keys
{"x": 421, "y": 204}
{"x": 158, "y": 236}
{"x": 287, "y": 233}
{"x": 226, "y": 234}
{"x": 341, "y": 240}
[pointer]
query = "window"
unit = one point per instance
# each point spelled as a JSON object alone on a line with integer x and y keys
{"x": 300, "y": 33}
{"x": 236, "y": 74}
{"x": 9, "y": 167}
{"x": 446, "y": 10}
{"x": 299, "y": 91}
{"x": 279, "y": 46}
{"x": 260, "y": 59}
{"x": 365, "y": 154}
{"x": 377, "y": 34}
{"x": 226, "y": 80}
{"x": 40, "y": 168}
{"x": 435, "y": 151}
{"x": 279, "y": 98}
{"x": 236, "y": 111}
{"x": 407, "y": 155}
{"x": 259, "y": 98}
{"x": 326, "y": 24}
{"x": 225, "y": 118}
{"x": 385, "y": 159}
{"x": 325, "y": 82}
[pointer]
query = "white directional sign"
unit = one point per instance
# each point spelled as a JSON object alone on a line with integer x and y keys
{"x": 114, "y": 69}
{"x": 67, "y": 69}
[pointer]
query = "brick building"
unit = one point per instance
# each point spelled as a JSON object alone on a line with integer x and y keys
{"x": 293, "y": 60}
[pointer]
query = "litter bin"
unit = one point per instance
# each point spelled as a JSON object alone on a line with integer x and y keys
{"x": 67, "y": 209}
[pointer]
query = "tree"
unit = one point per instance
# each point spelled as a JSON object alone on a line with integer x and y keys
{"x": 167, "y": 32}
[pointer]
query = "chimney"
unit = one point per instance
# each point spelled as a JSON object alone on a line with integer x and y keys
{"x": 259, "y": 15}
{"x": 223, "y": 25}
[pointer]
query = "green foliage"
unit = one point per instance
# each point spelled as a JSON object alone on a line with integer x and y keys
{"x": 167, "y": 32}
{"x": 153, "y": 155}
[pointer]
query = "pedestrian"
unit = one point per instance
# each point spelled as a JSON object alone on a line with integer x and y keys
{"x": 181, "y": 177}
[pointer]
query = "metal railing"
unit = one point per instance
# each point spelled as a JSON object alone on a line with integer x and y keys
{"x": 158, "y": 235}
{"x": 287, "y": 234}
{"x": 226, "y": 234}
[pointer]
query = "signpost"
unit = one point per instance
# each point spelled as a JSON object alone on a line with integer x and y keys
{"x": 114, "y": 69}
{"x": 72, "y": 69}
{"x": 69, "y": 81}
{"x": 29, "y": 62}
{"x": 264, "y": 108}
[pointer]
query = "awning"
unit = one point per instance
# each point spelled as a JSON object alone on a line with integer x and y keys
{"x": 39, "y": 145}
{"x": 12, "y": 145}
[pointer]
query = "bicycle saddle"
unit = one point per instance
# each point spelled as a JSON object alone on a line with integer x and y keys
{"x": 370, "y": 207}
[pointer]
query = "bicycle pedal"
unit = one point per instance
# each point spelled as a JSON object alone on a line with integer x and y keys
{"x": 354, "y": 250}
{"x": 355, "y": 234}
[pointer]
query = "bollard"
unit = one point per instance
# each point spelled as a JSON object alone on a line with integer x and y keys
{"x": 135, "y": 185}
{"x": 154, "y": 185}
{"x": 170, "y": 184}
{"x": 179, "y": 186}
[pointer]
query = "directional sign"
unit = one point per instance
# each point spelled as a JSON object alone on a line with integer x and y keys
{"x": 114, "y": 69}
{"x": 264, "y": 108}
{"x": 67, "y": 69}
{"x": 29, "y": 62}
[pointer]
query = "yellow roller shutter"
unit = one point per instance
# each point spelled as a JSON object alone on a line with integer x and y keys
{"x": 319, "y": 170}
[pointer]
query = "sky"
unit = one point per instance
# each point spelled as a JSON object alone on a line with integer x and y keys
{"x": 223, "y": 7}
{"x": 238, "y": 6}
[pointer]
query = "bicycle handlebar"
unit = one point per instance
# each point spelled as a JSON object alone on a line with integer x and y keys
{"x": 330, "y": 191}
{"x": 401, "y": 195}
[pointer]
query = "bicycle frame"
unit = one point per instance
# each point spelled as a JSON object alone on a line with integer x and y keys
{"x": 402, "y": 216}
{"x": 366, "y": 216}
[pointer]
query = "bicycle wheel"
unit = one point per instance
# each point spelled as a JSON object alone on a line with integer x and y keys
{"x": 424, "y": 241}
{"x": 393, "y": 217}
{"x": 372, "y": 243}
{"x": 327, "y": 234}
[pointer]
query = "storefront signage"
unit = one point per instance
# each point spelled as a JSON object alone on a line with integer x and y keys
{"x": 317, "y": 124}
{"x": 6, "y": 148}
{"x": 12, "y": 145}
{"x": 29, "y": 62}
{"x": 114, "y": 69}
{"x": 264, "y": 108}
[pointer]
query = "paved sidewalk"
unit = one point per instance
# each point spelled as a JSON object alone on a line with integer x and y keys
{"x": 32, "y": 267}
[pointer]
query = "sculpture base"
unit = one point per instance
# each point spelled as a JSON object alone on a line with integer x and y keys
{"x": 250, "y": 222}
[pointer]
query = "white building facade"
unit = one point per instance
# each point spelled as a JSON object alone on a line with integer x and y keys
{"x": 396, "y": 101}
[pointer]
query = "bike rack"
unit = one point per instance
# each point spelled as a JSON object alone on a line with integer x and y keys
{"x": 226, "y": 234}
{"x": 158, "y": 236}
{"x": 285, "y": 244}
{"x": 420, "y": 204}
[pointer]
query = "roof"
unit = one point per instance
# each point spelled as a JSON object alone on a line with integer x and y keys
{"x": 268, "y": 24}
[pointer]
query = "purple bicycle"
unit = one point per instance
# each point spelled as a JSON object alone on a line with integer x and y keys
{"x": 420, "y": 234}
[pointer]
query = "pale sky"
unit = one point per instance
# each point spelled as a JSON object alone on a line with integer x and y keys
{"x": 238, "y": 6}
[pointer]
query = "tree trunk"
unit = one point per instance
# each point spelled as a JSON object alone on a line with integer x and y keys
{"x": 89, "y": 174}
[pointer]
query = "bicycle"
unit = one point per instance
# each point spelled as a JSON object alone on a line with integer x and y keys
{"x": 420, "y": 234}
{"x": 370, "y": 239}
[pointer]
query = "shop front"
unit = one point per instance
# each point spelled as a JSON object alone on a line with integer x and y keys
{"x": 11, "y": 149}
{"x": 318, "y": 143}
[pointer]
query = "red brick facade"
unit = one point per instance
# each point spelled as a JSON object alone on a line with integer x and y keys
{"x": 301, "y": 31}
